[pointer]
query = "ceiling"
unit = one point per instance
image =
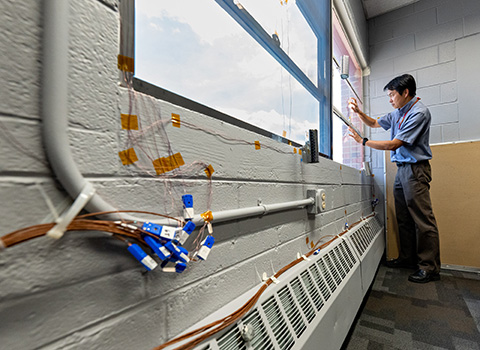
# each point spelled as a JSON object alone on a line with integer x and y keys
{"x": 374, "y": 8}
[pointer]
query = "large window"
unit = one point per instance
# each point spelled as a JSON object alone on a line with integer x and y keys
{"x": 202, "y": 50}
{"x": 345, "y": 149}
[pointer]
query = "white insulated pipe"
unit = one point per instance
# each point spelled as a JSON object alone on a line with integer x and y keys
{"x": 55, "y": 102}
{"x": 260, "y": 210}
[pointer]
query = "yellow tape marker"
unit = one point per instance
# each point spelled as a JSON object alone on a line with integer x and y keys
{"x": 294, "y": 150}
{"x": 209, "y": 170}
{"x": 289, "y": 143}
{"x": 125, "y": 63}
{"x": 175, "y": 120}
{"x": 128, "y": 156}
{"x": 284, "y": 133}
{"x": 300, "y": 151}
{"x": 166, "y": 164}
{"x": 129, "y": 121}
{"x": 257, "y": 145}
{"x": 207, "y": 216}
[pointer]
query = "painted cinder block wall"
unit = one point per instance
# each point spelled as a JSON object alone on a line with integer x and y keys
{"x": 85, "y": 291}
{"x": 421, "y": 39}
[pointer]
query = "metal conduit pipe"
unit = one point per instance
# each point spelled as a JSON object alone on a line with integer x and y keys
{"x": 55, "y": 122}
{"x": 228, "y": 215}
{"x": 55, "y": 102}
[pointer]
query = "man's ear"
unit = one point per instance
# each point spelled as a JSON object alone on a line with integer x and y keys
{"x": 406, "y": 93}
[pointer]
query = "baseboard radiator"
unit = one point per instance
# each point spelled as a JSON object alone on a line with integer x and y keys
{"x": 315, "y": 303}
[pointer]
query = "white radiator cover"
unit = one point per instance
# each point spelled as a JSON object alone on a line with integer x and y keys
{"x": 314, "y": 304}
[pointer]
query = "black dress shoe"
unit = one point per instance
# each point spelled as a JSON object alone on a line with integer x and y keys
{"x": 396, "y": 263}
{"x": 422, "y": 276}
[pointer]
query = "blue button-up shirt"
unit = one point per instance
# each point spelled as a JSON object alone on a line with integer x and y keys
{"x": 414, "y": 131}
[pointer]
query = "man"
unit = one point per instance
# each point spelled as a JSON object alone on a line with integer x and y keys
{"x": 410, "y": 131}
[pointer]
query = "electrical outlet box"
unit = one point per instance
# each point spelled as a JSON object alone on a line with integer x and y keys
{"x": 320, "y": 204}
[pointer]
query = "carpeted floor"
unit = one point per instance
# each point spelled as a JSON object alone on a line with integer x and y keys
{"x": 399, "y": 314}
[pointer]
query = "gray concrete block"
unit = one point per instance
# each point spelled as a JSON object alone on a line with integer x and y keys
{"x": 450, "y": 132}
{"x": 439, "y": 74}
{"x": 446, "y": 52}
{"x": 450, "y": 11}
{"x": 471, "y": 7}
{"x": 393, "y": 15}
{"x": 439, "y": 34}
{"x": 21, "y": 28}
{"x": 95, "y": 152}
{"x": 380, "y": 33}
{"x": 381, "y": 69}
{"x": 449, "y": 92}
{"x": 414, "y": 23}
{"x": 472, "y": 24}
{"x": 444, "y": 114}
{"x": 48, "y": 316}
{"x": 393, "y": 48}
{"x": 93, "y": 66}
{"x": 430, "y": 95}
{"x": 416, "y": 60}
{"x": 436, "y": 134}
{"x": 427, "y": 4}
{"x": 380, "y": 105}
{"x": 138, "y": 328}
{"x": 22, "y": 146}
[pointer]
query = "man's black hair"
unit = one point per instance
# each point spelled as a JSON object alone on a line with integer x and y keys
{"x": 399, "y": 84}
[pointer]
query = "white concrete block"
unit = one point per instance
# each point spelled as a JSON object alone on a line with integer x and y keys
{"x": 439, "y": 74}
{"x": 381, "y": 69}
{"x": 445, "y": 113}
{"x": 449, "y": 92}
{"x": 393, "y": 48}
{"x": 446, "y": 52}
{"x": 416, "y": 60}
{"x": 439, "y": 34}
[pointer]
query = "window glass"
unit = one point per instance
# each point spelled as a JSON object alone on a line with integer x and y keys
{"x": 212, "y": 60}
{"x": 345, "y": 149}
{"x": 296, "y": 37}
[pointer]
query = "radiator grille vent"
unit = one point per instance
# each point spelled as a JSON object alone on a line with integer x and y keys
{"x": 302, "y": 298}
{"x": 285, "y": 313}
{"x": 232, "y": 340}
{"x": 327, "y": 275}
{"x": 364, "y": 235}
{"x": 278, "y": 324}
{"x": 322, "y": 285}
{"x": 261, "y": 340}
{"x": 312, "y": 290}
{"x": 292, "y": 311}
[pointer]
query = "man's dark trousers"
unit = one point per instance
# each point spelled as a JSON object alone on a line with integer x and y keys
{"x": 418, "y": 232}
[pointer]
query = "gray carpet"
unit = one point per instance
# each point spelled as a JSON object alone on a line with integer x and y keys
{"x": 399, "y": 314}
